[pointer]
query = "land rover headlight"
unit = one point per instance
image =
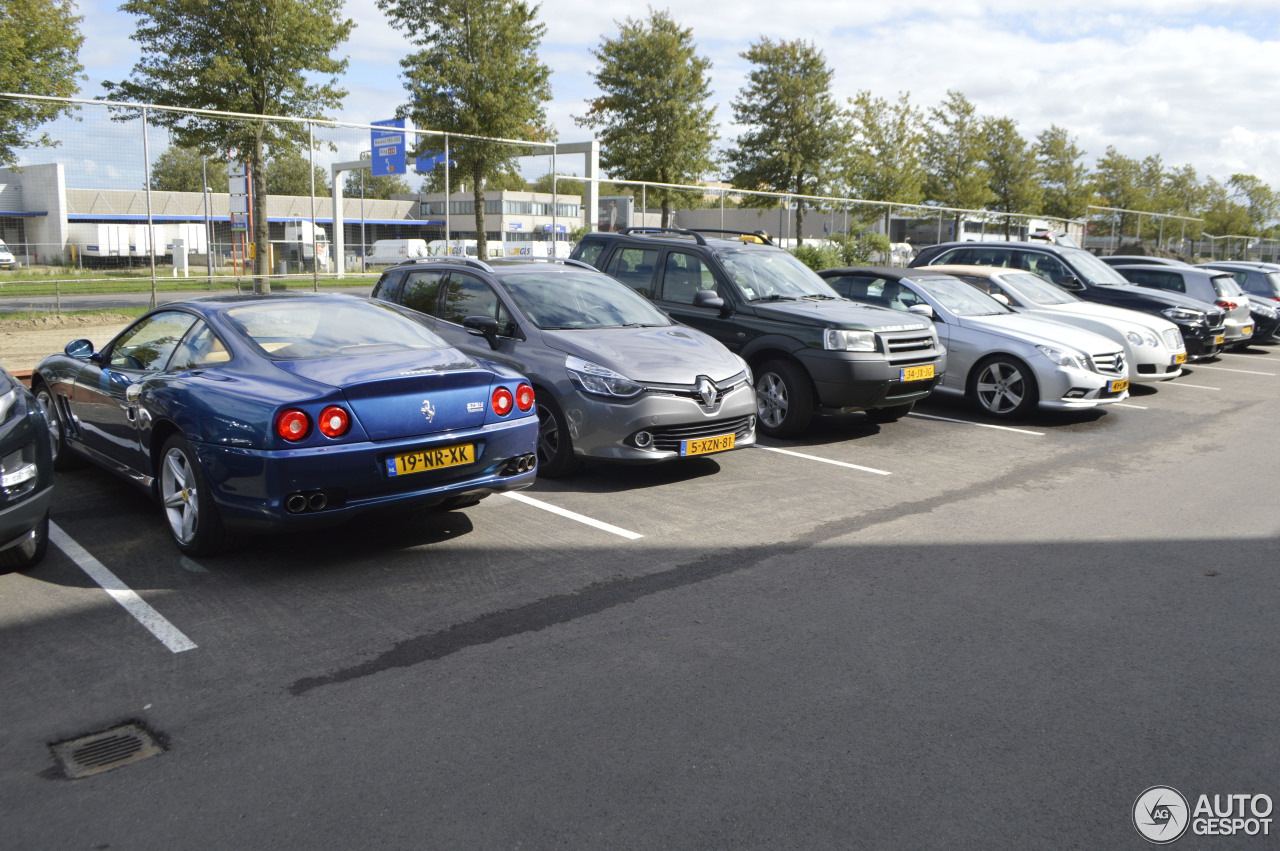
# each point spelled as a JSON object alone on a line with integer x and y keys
{"x": 839, "y": 340}
{"x": 1065, "y": 357}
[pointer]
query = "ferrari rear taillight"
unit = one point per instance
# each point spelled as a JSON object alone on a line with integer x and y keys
{"x": 292, "y": 424}
{"x": 334, "y": 421}
{"x": 501, "y": 401}
{"x": 524, "y": 398}
{"x": 1226, "y": 305}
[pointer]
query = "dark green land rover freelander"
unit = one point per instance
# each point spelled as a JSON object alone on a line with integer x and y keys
{"x": 811, "y": 351}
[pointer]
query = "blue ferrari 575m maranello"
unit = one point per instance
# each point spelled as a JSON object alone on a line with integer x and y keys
{"x": 286, "y": 412}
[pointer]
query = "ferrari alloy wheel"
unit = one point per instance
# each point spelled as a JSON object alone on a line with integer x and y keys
{"x": 188, "y": 505}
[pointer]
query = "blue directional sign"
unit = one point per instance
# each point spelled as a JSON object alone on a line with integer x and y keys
{"x": 429, "y": 160}
{"x": 388, "y": 147}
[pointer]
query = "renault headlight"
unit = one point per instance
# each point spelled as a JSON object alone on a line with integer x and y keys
{"x": 592, "y": 378}
{"x": 1065, "y": 357}
{"x": 746, "y": 369}
{"x": 839, "y": 340}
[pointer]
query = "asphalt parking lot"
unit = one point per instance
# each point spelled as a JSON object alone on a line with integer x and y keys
{"x": 941, "y": 632}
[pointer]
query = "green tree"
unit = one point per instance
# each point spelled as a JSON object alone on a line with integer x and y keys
{"x": 1063, "y": 176}
{"x": 39, "y": 55}
{"x": 794, "y": 130}
{"x": 1257, "y": 198}
{"x": 289, "y": 172}
{"x": 1223, "y": 214}
{"x": 1012, "y": 175}
{"x": 361, "y": 184}
{"x": 477, "y": 72}
{"x": 955, "y": 174}
{"x": 181, "y": 169}
{"x": 1117, "y": 183}
{"x": 882, "y": 162}
{"x": 653, "y": 115}
{"x": 258, "y": 57}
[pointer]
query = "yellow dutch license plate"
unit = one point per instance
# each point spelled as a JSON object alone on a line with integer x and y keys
{"x": 1118, "y": 385}
{"x": 703, "y": 445}
{"x": 431, "y": 459}
{"x": 1180, "y": 357}
{"x": 1220, "y": 339}
{"x": 917, "y": 373}
{"x": 1248, "y": 329}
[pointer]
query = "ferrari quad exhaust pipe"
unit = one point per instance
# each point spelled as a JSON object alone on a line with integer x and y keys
{"x": 296, "y": 503}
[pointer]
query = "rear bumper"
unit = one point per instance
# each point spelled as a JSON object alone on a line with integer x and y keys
{"x": 250, "y": 486}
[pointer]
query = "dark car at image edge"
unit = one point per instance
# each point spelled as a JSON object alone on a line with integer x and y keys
{"x": 26, "y": 476}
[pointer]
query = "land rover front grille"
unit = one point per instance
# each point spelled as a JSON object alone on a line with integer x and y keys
{"x": 909, "y": 344}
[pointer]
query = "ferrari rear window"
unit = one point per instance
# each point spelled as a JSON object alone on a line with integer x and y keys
{"x": 296, "y": 330}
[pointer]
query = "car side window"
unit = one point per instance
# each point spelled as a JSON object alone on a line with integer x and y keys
{"x": 855, "y": 286}
{"x": 148, "y": 345}
{"x": 420, "y": 291}
{"x": 683, "y": 275}
{"x": 387, "y": 287}
{"x": 1048, "y": 267}
{"x": 589, "y": 252}
{"x": 466, "y": 295}
{"x": 634, "y": 267}
{"x": 200, "y": 349}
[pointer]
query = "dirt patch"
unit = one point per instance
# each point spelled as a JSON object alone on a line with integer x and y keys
{"x": 24, "y": 342}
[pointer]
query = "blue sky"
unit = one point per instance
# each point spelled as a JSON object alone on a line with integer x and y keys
{"x": 1196, "y": 83}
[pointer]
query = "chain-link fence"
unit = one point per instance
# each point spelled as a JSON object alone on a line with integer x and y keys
{"x": 143, "y": 198}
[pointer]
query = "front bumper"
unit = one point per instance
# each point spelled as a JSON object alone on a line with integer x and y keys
{"x": 17, "y": 520}
{"x": 607, "y": 430}
{"x": 854, "y": 381}
{"x": 250, "y": 486}
{"x": 1069, "y": 388}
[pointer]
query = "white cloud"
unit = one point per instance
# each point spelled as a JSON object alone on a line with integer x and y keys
{"x": 1189, "y": 80}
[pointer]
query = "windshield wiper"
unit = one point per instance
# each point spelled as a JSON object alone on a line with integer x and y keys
{"x": 822, "y": 296}
{"x": 774, "y": 297}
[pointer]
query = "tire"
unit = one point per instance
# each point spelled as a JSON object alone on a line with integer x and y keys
{"x": 891, "y": 414}
{"x": 1004, "y": 387}
{"x": 784, "y": 399}
{"x": 555, "y": 446}
{"x": 187, "y": 502}
{"x": 30, "y": 551}
{"x": 64, "y": 458}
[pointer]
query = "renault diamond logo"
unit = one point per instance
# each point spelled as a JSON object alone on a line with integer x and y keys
{"x": 428, "y": 410}
{"x": 707, "y": 391}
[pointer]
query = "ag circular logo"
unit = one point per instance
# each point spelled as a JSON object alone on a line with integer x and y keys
{"x": 1160, "y": 814}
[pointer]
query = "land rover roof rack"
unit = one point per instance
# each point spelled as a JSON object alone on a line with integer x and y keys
{"x": 757, "y": 236}
{"x": 564, "y": 261}
{"x": 656, "y": 231}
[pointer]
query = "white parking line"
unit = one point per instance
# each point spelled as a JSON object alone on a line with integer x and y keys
{"x": 825, "y": 460}
{"x": 168, "y": 634}
{"x": 1185, "y": 384}
{"x": 980, "y": 425}
{"x": 572, "y": 515}
{"x": 1265, "y": 357}
{"x": 1227, "y": 369}
{"x": 1125, "y": 405}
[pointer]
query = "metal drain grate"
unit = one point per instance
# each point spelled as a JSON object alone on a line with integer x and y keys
{"x": 99, "y": 752}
